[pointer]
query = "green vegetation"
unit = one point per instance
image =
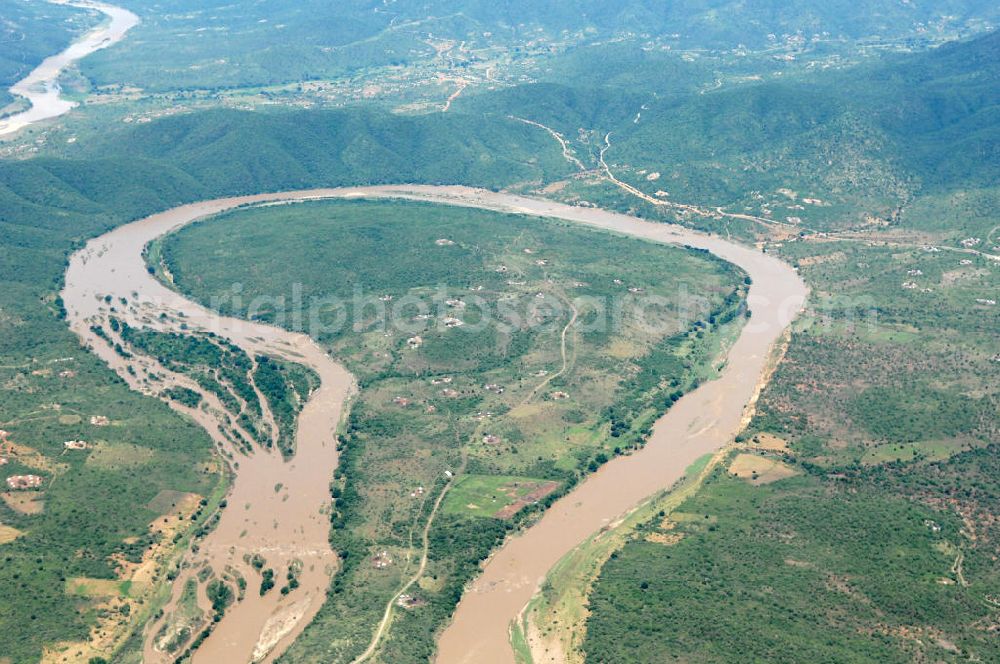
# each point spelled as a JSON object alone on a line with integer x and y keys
{"x": 183, "y": 395}
{"x": 48, "y": 207}
{"x": 803, "y": 568}
{"x": 177, "y": 46}
{"x": 266, "y": 580}
{"x": 218, "y": 366}
{"x": 226, "y": 372}
{"x": 493, "y": 400}
{"x": 30, "y": 32}
{"x": 221, "y": 595}
{"x": 889, "y": 425}
{"x": 494, "y": 495}
{"x": 193, "y": 154}
{"x": 286, "y": 387}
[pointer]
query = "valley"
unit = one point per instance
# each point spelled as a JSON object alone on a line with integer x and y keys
{"x": 604, "y": 508}
{"x": 560, "y": 332}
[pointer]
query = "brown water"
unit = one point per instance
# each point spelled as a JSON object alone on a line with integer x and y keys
{"x": 41, "y": 86}
{"x": 281, "y": 525}
{"x": 288, "y": 524}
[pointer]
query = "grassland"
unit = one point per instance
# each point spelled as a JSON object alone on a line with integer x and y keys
{"x": 499, "y": 404}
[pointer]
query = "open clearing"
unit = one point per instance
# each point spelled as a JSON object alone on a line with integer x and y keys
{"x": 760, "y": 470}
{"x": 84, "y": 587}
{"x": 171, "y": 502}
{"x": 8, "y": 534}
{"x": 120, "y": 455}
{"x": 770, "y": 442}
{"x": 931, "y": 450}
{"x": 25, "y": 502}
{"x": 498, "y": 496}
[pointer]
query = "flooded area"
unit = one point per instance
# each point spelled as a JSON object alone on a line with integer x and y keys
{"x": 289, "y": 523}
{"x": 276, "y": 508}
{"x": 41, "y": 86}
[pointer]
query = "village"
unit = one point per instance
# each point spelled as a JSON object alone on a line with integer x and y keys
{"x": 13, "y": 453}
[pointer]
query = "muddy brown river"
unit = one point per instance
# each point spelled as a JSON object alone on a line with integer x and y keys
{"x": 41, "y": 86}
{"x": 290, "y": 523}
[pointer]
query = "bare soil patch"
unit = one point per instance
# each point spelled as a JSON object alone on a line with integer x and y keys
{"x": 30, "y": 457}
{"x": 8, "y": 534}
{"x": 666, "y": 539}
{"x": 29, "y": 502}
{"x": 532, "y": 496}
{"x": 768, "y": 441}
{"x": 760, "y": 470}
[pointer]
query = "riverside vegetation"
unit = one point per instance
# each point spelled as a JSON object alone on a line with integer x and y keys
{"x": 881, "y": 530}
{"x": 51, "y": 387}
{"x": 889, "y": 430}
{"x": 517, "y": 416}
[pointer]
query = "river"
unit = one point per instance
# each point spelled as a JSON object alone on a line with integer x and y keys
{"x": 289, "y": 524}
{"x": 41, "y": 86}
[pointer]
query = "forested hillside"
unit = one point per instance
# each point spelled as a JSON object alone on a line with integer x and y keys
{"x": 865, "y": 139}
{"x": 32, "y": 31}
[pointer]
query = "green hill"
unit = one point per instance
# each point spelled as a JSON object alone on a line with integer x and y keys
{"x": 30, "y": 32}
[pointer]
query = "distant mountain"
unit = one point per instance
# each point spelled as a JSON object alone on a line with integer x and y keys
{"x": 723, "y": 23}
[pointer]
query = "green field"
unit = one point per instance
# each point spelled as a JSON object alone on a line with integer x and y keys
{"x": 491, "y": 495}
{"x": 496, "y": 403}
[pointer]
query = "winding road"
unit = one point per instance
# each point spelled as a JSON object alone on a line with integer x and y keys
{"x": 290, "y": 524}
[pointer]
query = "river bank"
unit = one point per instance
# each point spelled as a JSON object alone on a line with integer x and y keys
{"x": 41, "y": 87}
{"x": 291, "y": 525}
